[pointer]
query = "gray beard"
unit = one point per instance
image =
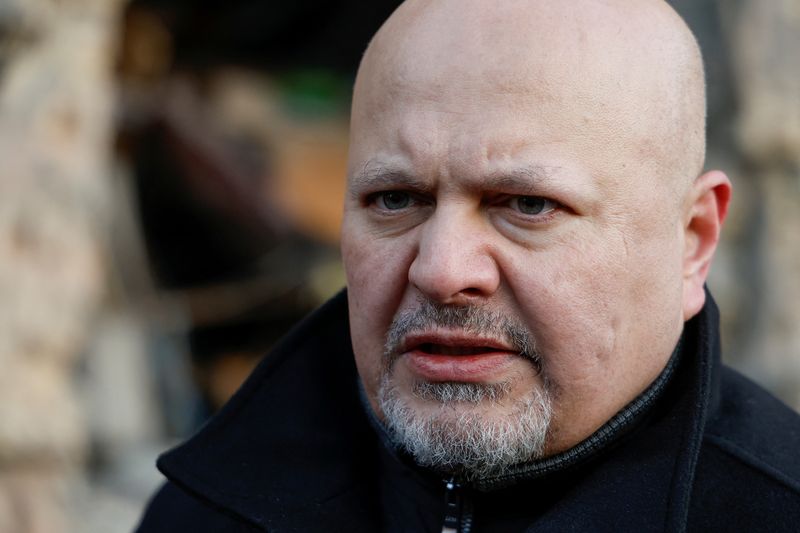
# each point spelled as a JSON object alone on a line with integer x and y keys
{"x": 470, "y": 429}
{"x": 470, "y": 433}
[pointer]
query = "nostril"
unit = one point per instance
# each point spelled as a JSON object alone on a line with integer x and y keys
{"x": 472, "y": 291}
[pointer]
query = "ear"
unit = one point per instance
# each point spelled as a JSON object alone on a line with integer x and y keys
{"x": 705, "y": 210}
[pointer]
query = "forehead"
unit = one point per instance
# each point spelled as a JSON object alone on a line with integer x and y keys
{"x": 475, "y": 132}
{"x": 481, "y": 51}
{"x": 470, "y": 83}
{"x": 510, "y": 41}
{"x": 478, "y": 122}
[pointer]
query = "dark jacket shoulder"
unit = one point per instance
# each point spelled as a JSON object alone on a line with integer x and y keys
{"x": 173, "y": 509}
{"x": 290, "y": 451}
{"x": 748, "y": 471}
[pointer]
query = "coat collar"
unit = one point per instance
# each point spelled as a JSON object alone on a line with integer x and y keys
{"x": 281, "y": 453}
{"x": 293, "y": 448}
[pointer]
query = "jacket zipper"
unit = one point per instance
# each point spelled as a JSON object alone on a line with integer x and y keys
{"x": 457, "y": 509}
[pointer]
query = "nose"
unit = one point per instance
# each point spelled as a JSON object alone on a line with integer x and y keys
{"x": 454, "y": 263}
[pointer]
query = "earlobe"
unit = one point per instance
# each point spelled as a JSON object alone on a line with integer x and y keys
{"x": 705, "y": 213}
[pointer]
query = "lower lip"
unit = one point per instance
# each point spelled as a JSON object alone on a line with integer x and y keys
{"x": 462, "y": 368}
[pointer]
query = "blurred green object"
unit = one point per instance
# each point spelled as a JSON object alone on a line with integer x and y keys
{"x": 315, "y": 92}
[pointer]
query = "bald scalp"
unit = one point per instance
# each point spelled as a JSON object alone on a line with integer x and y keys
{"x": 634, "y": 68}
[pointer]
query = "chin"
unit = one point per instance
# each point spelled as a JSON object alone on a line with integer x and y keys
{"x": 475, "y": 429}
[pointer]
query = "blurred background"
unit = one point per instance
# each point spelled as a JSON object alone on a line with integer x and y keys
{"x": 171, "y": 178}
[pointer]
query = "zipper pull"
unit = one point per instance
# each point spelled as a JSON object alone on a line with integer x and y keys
{"x": 452, "y": 507}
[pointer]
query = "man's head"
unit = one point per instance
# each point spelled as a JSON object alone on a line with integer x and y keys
{"x": 526, "y": 227}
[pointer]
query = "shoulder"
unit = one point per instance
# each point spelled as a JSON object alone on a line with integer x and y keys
{"x": 172, "y": 509}
{"x": 756, "y": 428}
{"x": 748, "y": 472}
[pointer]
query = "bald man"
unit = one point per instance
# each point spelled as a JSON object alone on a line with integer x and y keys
{"x": 526, "y": 342}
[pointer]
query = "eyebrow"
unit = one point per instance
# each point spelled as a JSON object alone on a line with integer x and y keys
{"x": 521, "y": 180}
{"x": 378, "y": 176}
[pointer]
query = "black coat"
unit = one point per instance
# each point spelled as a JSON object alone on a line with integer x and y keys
{"x": 295, "y": 451}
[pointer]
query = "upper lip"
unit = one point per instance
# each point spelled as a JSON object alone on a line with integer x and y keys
{"x": 454, "y": 339}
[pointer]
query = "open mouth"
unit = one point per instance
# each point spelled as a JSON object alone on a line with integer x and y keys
{"x": 445, "y": 349}
{"x": 454, "y": 343}
{"x": 457, "y": 357}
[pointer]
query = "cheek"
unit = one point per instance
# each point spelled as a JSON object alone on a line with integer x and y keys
{"x": 585, "y": 304}
{"x": 573, "y": 323}
{"x": 377, "y": 276}
{"x": 576, "y": 297}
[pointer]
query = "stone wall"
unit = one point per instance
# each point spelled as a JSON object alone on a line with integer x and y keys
{"x": 55, "y": 124}
{"x": 765, "y": 41}
{"x": 754, "y": 135}
{"x": 750, "y": 49}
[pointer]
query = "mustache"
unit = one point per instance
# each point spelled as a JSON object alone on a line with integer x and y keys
{"x": 473, "y": 319}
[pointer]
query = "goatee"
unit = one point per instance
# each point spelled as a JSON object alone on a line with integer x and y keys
{"x": 473, "y": 430}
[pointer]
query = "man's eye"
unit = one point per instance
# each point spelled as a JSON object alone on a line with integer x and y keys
{"x": 393, "y": 200}
{"x": 532, "y": 205}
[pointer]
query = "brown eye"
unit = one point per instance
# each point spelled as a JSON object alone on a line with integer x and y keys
{"x": 532, "y": 205}
{"x": 393, "y": 200}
